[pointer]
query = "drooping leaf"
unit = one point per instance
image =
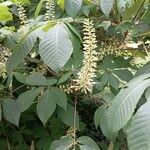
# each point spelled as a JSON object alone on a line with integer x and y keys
{"x": 27, "y": 98}
{"x": 56, "y": 47}
{"x": 125, "y": 102}
{"x": 36, "y": 79}
{"x": 64, "y": 143}
{"x": 11, "y": 111}
{"x": 72, "y": 7}
{"x": 106, "y": 6}
{"x": 46, "y": 106}
{"x": 86, "y": 143}
{"x": 138, "y": 132}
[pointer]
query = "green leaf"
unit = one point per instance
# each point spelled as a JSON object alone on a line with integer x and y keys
{"x": 109, "y": 78}
{"x": 56, "y": 47}
{"x": 121, "y": 5}
{"x": 61, "y": 4}
{"x": 124, "y": 75}
{"x": 72, "y": 7}
{"x": 67, "y": 116}
{"x": 11, "y": 111}
{"x": 27, "y": 98}
{"x": 98, "y": 115}
{"x": 138, "y": 132}
{"x": 64, "y": 77}
{"x": 20, "y": 77}
{"x": 86, "y": 143}
{"x": 147, "y": 94}
{"x": 74, "y": 30}
{"x": 106, "y": 126}
{"x": 106, "y": 6}
{"x": 146, "y": 16}
{"x": 5, "y": 15}
{"x": 36, "y": 79}
{"x": 46, "y": 106}
{"x": 59, "y": 96}
{"x": 113, "y": 81}
{"x": 21, "y": 1}
{"x": 125, "y": 102}
{"x": 133, "y": 9}
{"x": 22, "y": 49}
{"x": 144, "y": 69}
{"x": 38, "y": 8}
{"x": 64, "y": 143}
{"x": 0, "y": 110}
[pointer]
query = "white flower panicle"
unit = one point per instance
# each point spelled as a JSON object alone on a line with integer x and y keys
{"x": 50, "y": 10}
{"x": 4, "y": 55}
{"x": 22, "y": 14}
{"x": 85, "y": 82}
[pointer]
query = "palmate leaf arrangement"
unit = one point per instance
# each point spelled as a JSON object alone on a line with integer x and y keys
{"x": 51, "y": 44}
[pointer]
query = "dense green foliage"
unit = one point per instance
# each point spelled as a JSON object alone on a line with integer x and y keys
{"x": 74, "y": 74}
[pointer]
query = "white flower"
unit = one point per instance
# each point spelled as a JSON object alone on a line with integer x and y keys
{"x": 85, "y": 81}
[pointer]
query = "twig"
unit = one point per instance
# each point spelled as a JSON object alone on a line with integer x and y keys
{"x": 18, "y": 88}
{"x": 111, "y": 146}
{"x": 8, "y": 144}
{"x": 37, "y": 61}
{"x": 126, "y": 33}
{"x": 74, "y": 123}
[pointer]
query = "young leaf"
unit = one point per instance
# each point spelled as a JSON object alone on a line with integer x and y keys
{"x": 5, "y": 15}
{"x": 106, "y": 6}
{"x": 86, "y": 143}
{"x": 138, "y": 132}
{"x": 46, "y": 106}
{"x": 61, "y": 4}
{"x": 11, "y": 111}
{"x": 36, "y": 79}
{"x": 72, "y": 7}
{"x": 125, "y": 102}
{"x": 56, "y": 47}
{"x": 64, "y": 143}
{"x": 38, "y": 8}
{"x": 27, "y": 98}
